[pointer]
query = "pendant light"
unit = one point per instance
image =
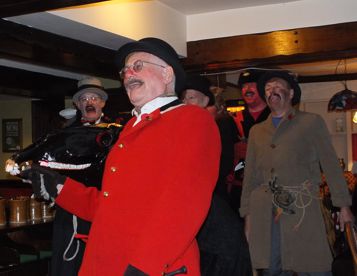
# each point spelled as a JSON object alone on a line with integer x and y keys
{"x": 345, "y": 99}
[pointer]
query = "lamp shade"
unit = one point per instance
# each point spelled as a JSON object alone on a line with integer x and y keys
{"x": 343, "y": 101}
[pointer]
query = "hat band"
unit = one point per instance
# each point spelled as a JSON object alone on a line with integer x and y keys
{"x": 90, "y": 86}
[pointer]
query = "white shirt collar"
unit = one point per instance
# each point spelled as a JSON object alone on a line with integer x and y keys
{"x": 151, "y": 106}
{"x": 96, "y": 122}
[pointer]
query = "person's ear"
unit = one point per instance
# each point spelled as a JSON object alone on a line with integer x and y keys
{"x": 102, "y": 103}
{"x": 168, "y": 74}
{"x": 183, "y": 95}
{"x": 205, "y": 101}
{"x": 291, "y": 93}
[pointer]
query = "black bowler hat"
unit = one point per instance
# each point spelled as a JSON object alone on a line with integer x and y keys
{"x": 249, "y": 75}
{"x": 201, "y": 84}
{"x": 158, "y": 48}
{"x": 285, "y": 75}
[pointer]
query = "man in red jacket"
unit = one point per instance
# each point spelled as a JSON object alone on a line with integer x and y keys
{"x": 255, "y": 111}
{"x": 158, "y": 179}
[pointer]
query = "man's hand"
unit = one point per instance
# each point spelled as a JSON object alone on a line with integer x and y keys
{"x": 344, "y": 217}
{"x": 12, "y": 167}
{"x": 44, "y": 181}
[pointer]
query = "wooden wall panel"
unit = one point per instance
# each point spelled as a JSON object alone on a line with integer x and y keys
{"x": 273, "y": 49}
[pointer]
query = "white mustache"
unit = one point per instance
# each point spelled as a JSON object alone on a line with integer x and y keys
{"x": 132, "y": 81}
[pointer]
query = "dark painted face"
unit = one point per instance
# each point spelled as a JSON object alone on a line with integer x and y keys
{"x": 77, "y": 152}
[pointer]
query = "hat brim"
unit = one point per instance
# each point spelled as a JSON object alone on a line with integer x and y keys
{"x": 249, "y": 76}
{"x": 101, "y": 93}
{"x": 157, "y": 48}
{"x": 68, "y": 113}
{"x": 282, "y": 75}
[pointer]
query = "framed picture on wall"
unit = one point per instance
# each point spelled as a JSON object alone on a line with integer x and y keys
{"x": 11, "y": 135}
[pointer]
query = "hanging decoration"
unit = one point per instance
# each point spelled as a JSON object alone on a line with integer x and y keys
{"x": 343, "y": 100}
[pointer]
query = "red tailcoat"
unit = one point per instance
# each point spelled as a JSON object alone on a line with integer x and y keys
{"x": 156, "y": 191}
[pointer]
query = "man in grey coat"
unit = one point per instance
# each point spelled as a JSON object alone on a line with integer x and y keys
{"x": 280, "y": 199}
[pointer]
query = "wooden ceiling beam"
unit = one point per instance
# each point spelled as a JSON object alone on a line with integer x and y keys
{"x": 10, "y": 8}
{"x": 272, "y": 49}
{"x": 33, "y": 46}
{"x": 327, "y": 78}
{"x": 17, "y": 82}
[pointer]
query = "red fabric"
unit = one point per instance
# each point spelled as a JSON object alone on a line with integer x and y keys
{"x": 155, "y": 200}
{"x": 238, "y": 119}
{"x": 79, "y": 199}
{"x": 84, "y": 238}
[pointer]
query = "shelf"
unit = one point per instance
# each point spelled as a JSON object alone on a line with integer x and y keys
{"x": 38, "y": 267}
{"x": 17, "y": 227}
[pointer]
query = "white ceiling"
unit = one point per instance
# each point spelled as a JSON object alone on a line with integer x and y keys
{"x": 58, "y": 25}
{"x": 202, "y": 6}
{"x": 52, "y": 23}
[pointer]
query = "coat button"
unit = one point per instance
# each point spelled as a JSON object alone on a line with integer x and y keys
{"x": 273, "y": 146}
{"x": 113, "y": 169}
{"x": 148, "y": 118}
{"x": 121, "y": 145}
{"x": 105, "y": 194}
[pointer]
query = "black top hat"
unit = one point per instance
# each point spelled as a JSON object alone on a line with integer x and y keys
{"x": 249, "y": 75}
{"x": 201, "y": 84}
{"x": 158, "y": 48}
{"x": 285, "y": 75}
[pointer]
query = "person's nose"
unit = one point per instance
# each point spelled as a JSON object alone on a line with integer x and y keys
{"x": 271, "y": 90}
{"x": 268, "y": 93}
{"x": 128, "y": 73}
{"x": 90, "y": 100}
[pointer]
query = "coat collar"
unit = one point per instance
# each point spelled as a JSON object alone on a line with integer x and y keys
{"x": 148, "y": 118}
{"x": 174, "y": 103}
{"x": 288, "y": 117}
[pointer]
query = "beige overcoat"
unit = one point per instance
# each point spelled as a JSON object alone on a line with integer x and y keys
{"x": 291, "y": 153}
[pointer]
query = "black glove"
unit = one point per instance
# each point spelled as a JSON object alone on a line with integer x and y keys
{"x": 44, "y": 181}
